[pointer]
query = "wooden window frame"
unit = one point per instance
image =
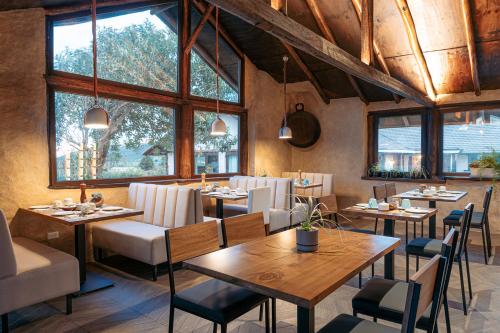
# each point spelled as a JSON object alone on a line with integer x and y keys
{"x": 181, "y": 101}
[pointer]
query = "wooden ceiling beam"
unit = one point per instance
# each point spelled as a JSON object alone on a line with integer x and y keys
{"x": 409, "y": 24}
{"x": 376, "y": 50}
{"x": 51, "y": 11}
{"x": 366, "y": 32}
{"x": 264, "y": 17}
{"x": 310, "y": 76}
{"x": 328, "y": 34}
{"x": 199, "y": 27}
{"x": 471, "y": 45}
{"x": 277, "y": 4}
{"x": 201, "y": 7}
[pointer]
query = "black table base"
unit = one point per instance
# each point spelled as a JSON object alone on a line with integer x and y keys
{"x": 89, "y": 281}
{"x": 389, "y": 261}
{"x": 305, "y": 320}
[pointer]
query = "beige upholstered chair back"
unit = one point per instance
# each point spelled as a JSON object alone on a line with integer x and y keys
{"x": 281, "y": 189}
{"x": 326, "y": 179}
{"x": 8, "y": 266}
{"x": 259, "y": 201}
{"x": 165, "y": 205}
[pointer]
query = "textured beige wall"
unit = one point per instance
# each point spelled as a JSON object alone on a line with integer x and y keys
{"x": 264, "y": 102}
{"x": 341, "y": 150}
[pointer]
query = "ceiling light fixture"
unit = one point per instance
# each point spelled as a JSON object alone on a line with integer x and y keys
{"x": 285, "y": 132}
{"x": 218, "y": 126}
{"x": 95, "y": 117}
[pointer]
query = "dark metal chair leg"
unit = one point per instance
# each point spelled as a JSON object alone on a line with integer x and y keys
{"x": 69, "y": 304}
{"x": 215, "y": 328}
{"x": 373, "y": 270}
{"x": 223, "y": 328}
{"x": 261, "y": 312}
{"x": 446, "y": 313}
{"x": 485, "y": 245}
{"x": 155, "y": 272}
{"x": 462, "y": 286}
{"x": 5, "y": 323}
{"x": 268, "y": 328}
{"x": 171, "y": 319}
{"x": 273, "y": 315}
{"x": 407, "y": 267}
{"x": 406, "y": 237}
{"x": 422, "y": 229}
{"x": 467, "y": 269}
{"x": 417, "y": 265}
{"x": 360, "y": 280}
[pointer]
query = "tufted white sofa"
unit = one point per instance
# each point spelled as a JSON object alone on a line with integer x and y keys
{"x": 143, "y": 237}
{"x": 326, "y": 179}
{"x": 282, "y": 198}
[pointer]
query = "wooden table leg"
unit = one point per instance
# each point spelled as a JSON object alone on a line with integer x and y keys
{"x": 219, "y": 208}
{"x": 305, "y": 320}
{"x": 389, "y": 258}
{"x": 432, "y": 221}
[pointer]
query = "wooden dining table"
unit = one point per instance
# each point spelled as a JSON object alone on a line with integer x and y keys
{"x": 221, "y": 197}
{"x": 390, "y": 217}
{"x": 89, "y": 281}
{"x": 447, "y": 196}
{"x": 273, "y": 267}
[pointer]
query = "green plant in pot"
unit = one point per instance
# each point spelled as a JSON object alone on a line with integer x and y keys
{"x": 307, "y": 233}
{"x": 487, "y": 166}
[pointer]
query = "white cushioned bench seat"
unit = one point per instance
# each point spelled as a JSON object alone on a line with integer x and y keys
{"x": 143, "y": 237}
{"x": 42, "y": 273}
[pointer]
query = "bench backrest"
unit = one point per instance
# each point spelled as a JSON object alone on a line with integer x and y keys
{"x": 8, "y": 267}
{"x": 282, "y": 191}
{"x": 326, "y": 179}
{"x": 167, "y": 206}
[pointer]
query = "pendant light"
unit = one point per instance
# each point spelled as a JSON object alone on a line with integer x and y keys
{"x": 95, "y": 117}
{"x": 285, "y": 132}
{"x": 218, "y": 126}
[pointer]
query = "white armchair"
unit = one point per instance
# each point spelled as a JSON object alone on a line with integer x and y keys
{"x": 31, "y": 273}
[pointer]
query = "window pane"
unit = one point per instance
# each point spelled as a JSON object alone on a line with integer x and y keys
{"x": 203, "y": 65}
{"x": 400, "y": 143}
{"x": 467, "y": 136}
{"x": 216, "y": 154}
{"x": 139, "y": 143}
{"x": 138, "y": 48}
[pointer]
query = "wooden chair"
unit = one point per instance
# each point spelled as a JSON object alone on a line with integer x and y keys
{"x": 380, "y": 194}
{"x": 214, "y": 300}
{"x": 329, "y": 206}
{"x": 424, "y": 289}
{"x": 245, "y": 228}
{"x": 426, "y": 247}
{"x": 385, "y": 299}
{"x": 479, "y": 221}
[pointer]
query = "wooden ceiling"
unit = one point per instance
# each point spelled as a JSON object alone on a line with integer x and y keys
{"x": 440, "y": 30}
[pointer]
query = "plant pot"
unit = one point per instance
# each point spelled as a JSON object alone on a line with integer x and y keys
{"x": 307, "y": 241}
{"x": 482, "y": 172}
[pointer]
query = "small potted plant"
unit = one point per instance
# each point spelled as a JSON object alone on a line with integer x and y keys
{"x": 486, "y": 167}
{"x": 374, "y": 170}
{"x": 307, "y": 233}
{"x": 474, "y": 167}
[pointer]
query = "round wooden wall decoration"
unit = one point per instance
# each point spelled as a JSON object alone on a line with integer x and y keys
{"x": 305, "y": 127}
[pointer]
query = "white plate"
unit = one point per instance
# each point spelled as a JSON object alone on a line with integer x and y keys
{"x": 63, "y": 213}
{"x": 112, "y": 208}
{"x": 41, "y": 207}
{"x": 447, "y": 195}
{"x": 362, "y": 205}
{"x": 417, "y": 210}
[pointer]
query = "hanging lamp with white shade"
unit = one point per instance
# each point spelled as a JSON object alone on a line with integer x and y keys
{"x": 95, "y": 117}
{"x": 285, "y": 132}
{"x": 219, "y": 127}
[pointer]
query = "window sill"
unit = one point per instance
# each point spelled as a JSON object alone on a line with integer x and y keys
{"x": 468, "y": 178}
{"x": 127, "y": 183}
{"x": 406, "y": 180}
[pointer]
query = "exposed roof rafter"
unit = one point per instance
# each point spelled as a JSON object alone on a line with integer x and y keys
{"x": 471, "y": 46}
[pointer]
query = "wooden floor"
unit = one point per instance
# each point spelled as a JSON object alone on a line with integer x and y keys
{"x": 136, "y": 304}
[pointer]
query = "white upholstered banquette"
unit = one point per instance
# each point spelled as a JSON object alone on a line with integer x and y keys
{"x": 143, "y": 237}
{"x": 326, "y": 179}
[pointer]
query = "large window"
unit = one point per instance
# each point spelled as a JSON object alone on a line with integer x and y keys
{"x": 467, "y": 136}
{"x": 216, "y": 154}
{"x": 203, "y": 65}
{"x": 139, "y": 143}
{"x": 399, "y": 143}
{"x": 138, "y": 48}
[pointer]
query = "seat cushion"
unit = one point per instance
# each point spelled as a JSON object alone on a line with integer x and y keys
{"x": 347, "y": 323}
{"x": 424, "y": 247}
{"x": 43, "y": 273}
{"x": 455, "y": 218}
{"x": 239, "y": 208}
{"x": 386, "y": 299}
{"x": 217, "y": 300}
{"x": 136, "y": 240}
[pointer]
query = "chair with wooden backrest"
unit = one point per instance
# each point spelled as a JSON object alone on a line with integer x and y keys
{"x": 479, "y": 221}
{"x": 245, "y": 228}
{"x": 390, "y": 191}
{"x": 385, "y": 299}
{"x": 328, "y": 206}
{"x": 380, "y": 194}
{"x": 213, "y": 300}
{"x": 424, "y": 289}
